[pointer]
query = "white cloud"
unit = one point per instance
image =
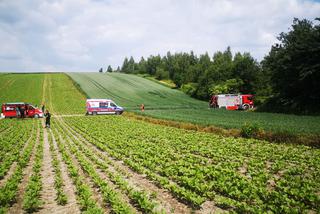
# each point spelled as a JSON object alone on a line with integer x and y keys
{"x": 83, "y": 35}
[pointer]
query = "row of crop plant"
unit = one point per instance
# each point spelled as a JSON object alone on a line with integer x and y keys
{"x": 242, "y": 175}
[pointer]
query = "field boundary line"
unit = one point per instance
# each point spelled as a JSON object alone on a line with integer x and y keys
{"x": 285, "y": 138}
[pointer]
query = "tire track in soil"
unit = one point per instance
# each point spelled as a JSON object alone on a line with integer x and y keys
{"x": 96, "y": 195}
{"x": 69, "y": 189}
{"x": 48, "y": 192}
{"x": 166, "y": 200}
{"x": 27, "y": 172}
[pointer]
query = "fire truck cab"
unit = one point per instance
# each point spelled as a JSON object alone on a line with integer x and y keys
{"x": 232, "y": 101}
{"x": 10, "y": 110}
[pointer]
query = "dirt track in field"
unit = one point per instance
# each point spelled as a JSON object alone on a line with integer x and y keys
{"x": 69, "y": 189}
{"x": 48, "y": 193}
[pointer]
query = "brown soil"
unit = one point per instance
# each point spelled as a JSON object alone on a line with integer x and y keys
{"x": 69, "y": 189}
{"x": 48, "y": 193}
{"x": 95, "y": 191}
{"x": 8, "y": 175}
{"x": 209, "y": 207}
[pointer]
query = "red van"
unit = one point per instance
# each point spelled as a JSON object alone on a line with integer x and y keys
{"x": 10, "y": 110}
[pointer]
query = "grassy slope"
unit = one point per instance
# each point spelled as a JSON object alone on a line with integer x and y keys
{"x": 21, "y": 88}
{"x": 130, "y": 91}
{"x": 61, "y": 97}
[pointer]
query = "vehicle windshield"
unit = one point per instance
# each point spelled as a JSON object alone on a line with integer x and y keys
{"x": 113, "y": 105}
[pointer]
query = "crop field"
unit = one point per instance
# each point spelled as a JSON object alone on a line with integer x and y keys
{"x": 114, "y": 164}
{"x": 129, "y": 91}
{"x": 30, "y": 88}
{"x": 21, "y": 88}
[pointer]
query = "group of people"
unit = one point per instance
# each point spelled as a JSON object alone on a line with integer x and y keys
{"x": 21, "y": 111}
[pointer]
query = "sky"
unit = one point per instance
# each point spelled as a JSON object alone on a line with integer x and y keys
{"x": 85, "y": 35}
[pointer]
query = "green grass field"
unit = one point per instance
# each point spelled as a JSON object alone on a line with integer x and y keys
{"x": 55, "y": 90}
{"x": 122, "y": 165}
{"x": 21, "y": 88}
{"x": 129, "y": 91}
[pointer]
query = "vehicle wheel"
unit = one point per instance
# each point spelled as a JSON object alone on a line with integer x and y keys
{"x": 117, "y": 112}
{"x": 36, "y": 116}
{"x": 94, "y": 113}
{"x": 245, "y": 106}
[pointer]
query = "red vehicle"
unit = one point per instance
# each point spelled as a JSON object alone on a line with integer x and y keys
{"x": 10, "y": 110}
{"x": 232, "y": 101}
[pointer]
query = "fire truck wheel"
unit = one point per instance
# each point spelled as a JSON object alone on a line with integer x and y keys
{"x": 94, "y": 113}
{"x": 117, "y": 113}
{"x": 36, "y": 116}
{"x": 245, "y": 106}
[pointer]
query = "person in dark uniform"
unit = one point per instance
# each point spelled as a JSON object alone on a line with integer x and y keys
{"x": 18, "y": 112}
{"x": 22, "y": 109}
{"x": 48, "y": 116}
{"x": 42, "y": 108}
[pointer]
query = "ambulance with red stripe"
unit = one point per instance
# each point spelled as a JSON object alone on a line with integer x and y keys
{"x": 102, "y": 106}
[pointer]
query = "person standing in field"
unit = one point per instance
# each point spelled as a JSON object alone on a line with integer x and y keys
{"x": 142, "y": 107}
{"x": 22, "y": 109}
{"x": 18, "y": 112}
{"x": 48, "y": 116}
{"x": 42, "y": 108}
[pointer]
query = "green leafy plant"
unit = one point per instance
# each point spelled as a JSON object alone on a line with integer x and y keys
{"x": 250, "y": 130}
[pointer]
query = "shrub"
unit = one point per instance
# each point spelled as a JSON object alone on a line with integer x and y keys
{"x": 250, "y": 130}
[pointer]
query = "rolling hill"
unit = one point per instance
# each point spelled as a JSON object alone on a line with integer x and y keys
{"x": 130, "y": 91}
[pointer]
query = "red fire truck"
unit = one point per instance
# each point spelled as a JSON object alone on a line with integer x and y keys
{"x": 10, "y": 110}
{"x": 232, "y": 101}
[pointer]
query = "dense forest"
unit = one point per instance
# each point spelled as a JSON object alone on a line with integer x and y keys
{"x": 286, "y": 80}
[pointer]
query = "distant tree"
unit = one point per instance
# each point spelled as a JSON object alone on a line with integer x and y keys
{"x": 109, "y": 69}
{"x": 231, "y": 86}
{"x": 152, "y": 63}
{"x": 198, "y": 76}
{"x": 294, "y": 66}
{"x": 131, "y": 65}
{"x": 142, "y": 66}
{"x": 161, "y": 74}
{"x": 100, "y": 70}
{"x": 118, "y": 70}
{"x": 246, "y": 68}
{"x": 125, "y": 66}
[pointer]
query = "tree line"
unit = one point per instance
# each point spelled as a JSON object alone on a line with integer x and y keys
{"x": 286, "y": 80}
